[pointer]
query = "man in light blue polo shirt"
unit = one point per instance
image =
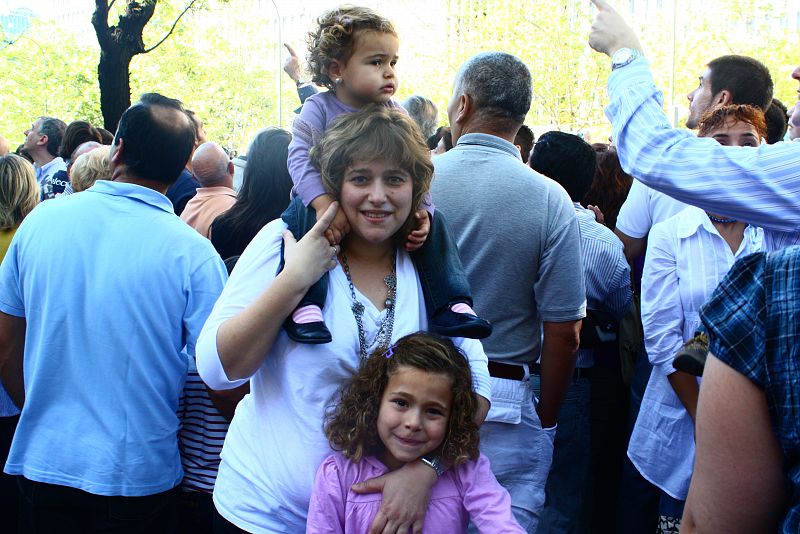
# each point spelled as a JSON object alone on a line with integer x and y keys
{"x": 105, "y": 292}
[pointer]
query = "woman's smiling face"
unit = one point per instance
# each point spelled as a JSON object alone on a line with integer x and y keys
{"x": 376, "y": 197}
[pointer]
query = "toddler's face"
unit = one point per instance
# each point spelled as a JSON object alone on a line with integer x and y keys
{"x": 413, "y": 415}
{"x": 369, "y": 75}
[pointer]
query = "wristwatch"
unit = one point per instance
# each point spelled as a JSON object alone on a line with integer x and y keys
{"x": 300, "y": 82}
{"x": 623, "y": 56}
{"x": 435, "y": 462}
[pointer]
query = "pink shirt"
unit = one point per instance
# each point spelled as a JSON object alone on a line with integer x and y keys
{"x": 469, "y": 491}
{"x": 207, "y": 205}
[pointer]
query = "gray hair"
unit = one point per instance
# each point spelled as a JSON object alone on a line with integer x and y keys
{"x": 499, "y": 83}
{"x": 424, "y": 113}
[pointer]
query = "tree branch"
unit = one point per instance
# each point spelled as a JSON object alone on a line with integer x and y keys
{"x": 100, "y": 23}
{"x": 187, "y": 8}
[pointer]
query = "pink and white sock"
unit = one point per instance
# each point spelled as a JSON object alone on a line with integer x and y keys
{"x": 463, "y": 307}
{"x": 310, "y": 313}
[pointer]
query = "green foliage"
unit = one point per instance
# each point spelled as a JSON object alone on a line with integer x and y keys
{"x": 46, "y": 72}
{"x": 222, "y": 59}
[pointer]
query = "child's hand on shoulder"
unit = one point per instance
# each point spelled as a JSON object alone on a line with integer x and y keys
{"x": 339, "y": 227}
{"x": 418, "y": 236}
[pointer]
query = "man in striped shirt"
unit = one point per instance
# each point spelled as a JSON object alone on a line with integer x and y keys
{"x": 570, "y": 161}
{"x": 759, "y": 187}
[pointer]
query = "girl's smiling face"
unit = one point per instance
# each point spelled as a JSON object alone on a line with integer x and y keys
{"x": 413, "y": 415}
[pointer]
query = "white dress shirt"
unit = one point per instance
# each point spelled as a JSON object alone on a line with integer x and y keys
{"x": 686, "y": 258}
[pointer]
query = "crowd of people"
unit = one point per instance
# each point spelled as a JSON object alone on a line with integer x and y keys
{"x": 390, "y": 326}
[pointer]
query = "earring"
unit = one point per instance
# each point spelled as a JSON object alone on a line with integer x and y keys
{"x": 337, "y": 81}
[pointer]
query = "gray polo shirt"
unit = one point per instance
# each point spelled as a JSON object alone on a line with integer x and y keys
{"x": 518, "y": 239}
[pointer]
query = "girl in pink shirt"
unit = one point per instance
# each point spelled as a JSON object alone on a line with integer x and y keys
{"x": 414, "y": 401}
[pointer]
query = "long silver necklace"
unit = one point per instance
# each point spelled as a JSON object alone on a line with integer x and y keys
{"x": 384, "y": 335}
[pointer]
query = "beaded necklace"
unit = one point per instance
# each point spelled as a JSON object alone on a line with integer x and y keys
{"x": 384, "y": 335}
{"x": 719, "y": 220}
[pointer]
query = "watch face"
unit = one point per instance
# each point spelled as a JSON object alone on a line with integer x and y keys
{"x": 621, "y": 56}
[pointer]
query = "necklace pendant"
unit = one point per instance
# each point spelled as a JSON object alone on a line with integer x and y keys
{"x": 388, "y": 303}
{"x": 357, "y": 307}
{"x": 391, "y": 281}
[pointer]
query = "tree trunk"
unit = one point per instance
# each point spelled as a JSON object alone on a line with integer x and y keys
{"x": 113, "y": 74}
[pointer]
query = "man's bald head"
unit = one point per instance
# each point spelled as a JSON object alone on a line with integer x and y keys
{"x": 83, "y": 148}
{"x": 157, "y": 139}
{"x": 3, "y": 146}
{"x": 212, "y": 166}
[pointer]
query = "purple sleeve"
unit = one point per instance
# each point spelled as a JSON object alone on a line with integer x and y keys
{"x": 488, "y": 503}
{"x": 326, "y": 509}
{"x": 307, "y": 129}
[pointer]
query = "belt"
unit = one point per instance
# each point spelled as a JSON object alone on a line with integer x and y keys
{"x": 522, "y": 372}
{"x": 508, "y": 371}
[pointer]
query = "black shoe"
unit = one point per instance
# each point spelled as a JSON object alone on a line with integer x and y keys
{"x": 691, "y": 357}
{"x": 308, "y": 333}
{"x": 450, "y": 323}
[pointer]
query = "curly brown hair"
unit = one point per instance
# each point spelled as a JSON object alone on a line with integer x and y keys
{"x": 720, "y": 116}
{"x": 335, "y": 38}
{"x": 375, "y": 132}
{"x": 611, "y": 184}
{"x": 352, "y": 426}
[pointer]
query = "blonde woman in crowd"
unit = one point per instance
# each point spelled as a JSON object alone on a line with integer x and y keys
{"x": 88, "y": 168}
{"x": 19, "y": 194}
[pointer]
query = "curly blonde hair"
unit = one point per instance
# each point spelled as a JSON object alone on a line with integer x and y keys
{"x": 335, "y": 37}
{"x": 352, "y": 426}
{"x": 375, "y": 132}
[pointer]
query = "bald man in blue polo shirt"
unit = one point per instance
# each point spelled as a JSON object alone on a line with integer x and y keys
{"x": 105, "y": 293}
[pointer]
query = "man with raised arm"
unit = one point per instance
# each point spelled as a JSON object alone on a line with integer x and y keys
{"x": 759, "y": 187}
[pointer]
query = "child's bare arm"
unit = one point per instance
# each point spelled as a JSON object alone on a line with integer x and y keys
{"x": 420, "y": 233}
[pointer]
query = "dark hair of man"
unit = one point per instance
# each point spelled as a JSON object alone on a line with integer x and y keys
{"x": 54, "y": 130}
{"x": 777, "y": 121}
{"x": 264, "y": 194}
{"x": 159, "y": 137}
{"x": 196, "y": 123}
{"x": 442, "y": 132}
{"x": 746, "y": 78}
{"x": 525, "y": 140}
{"x": 106, "y": 136}
{"x": 77, "y": 133}
{"x": 567, "y": 159}
{"x": 500, "y": 86}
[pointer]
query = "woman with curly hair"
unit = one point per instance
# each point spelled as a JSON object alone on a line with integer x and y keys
{"x": 408, "y": 401}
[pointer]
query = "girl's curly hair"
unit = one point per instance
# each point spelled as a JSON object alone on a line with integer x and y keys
{"x": 335, "y": 37}
{"x": 352, "y": 426}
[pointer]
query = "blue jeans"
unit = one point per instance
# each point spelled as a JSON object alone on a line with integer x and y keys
{"x": 568, "y": 479}
{"x": 637, "y": 509}
{"x": 520, "y": 453}
{"x": 438, "y": 264}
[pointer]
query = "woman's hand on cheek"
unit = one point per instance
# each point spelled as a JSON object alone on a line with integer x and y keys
{"x": 406, "y": 494}
{"x": 311, "y": 257}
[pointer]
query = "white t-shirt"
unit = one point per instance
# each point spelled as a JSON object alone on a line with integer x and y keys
{"x": 644, "y": 208}
{"x": 276, "y": 442}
